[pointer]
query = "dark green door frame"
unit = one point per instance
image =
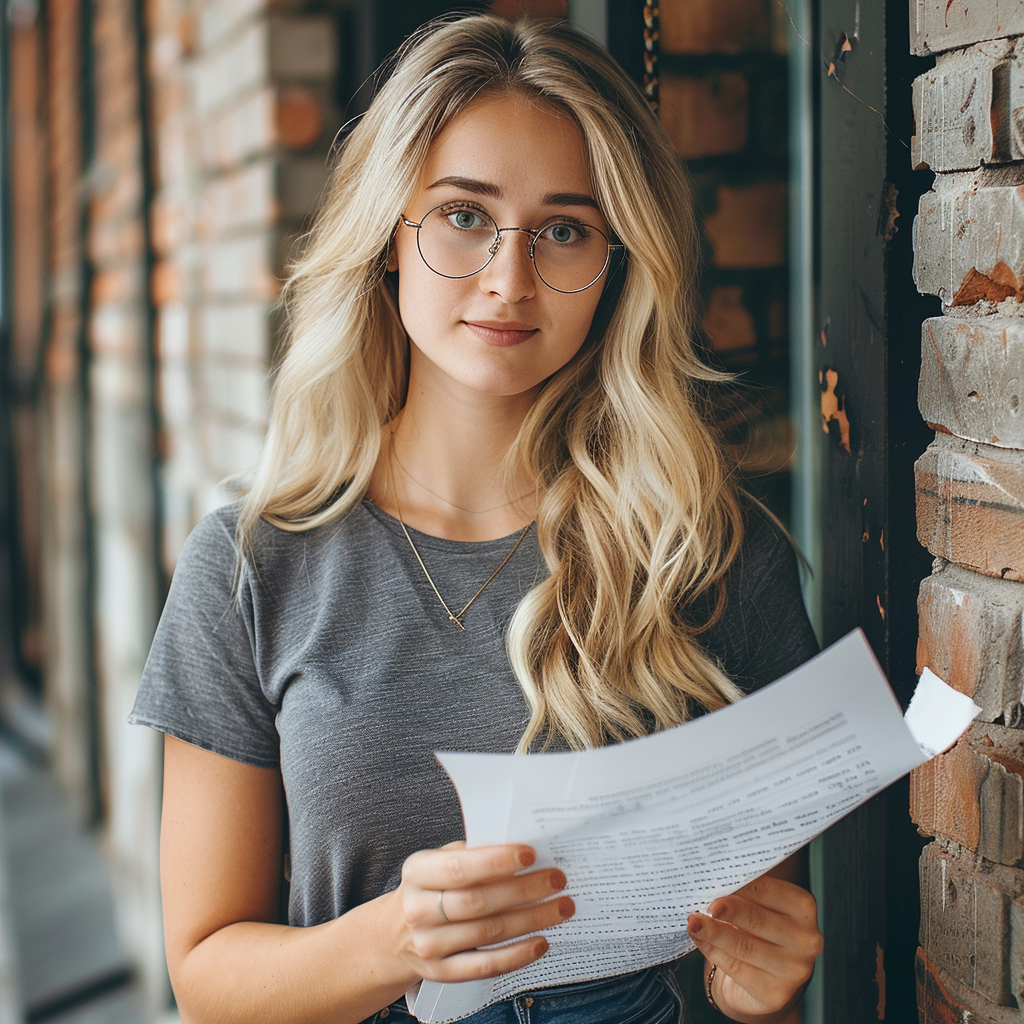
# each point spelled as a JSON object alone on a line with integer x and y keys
{"x": 865, "y": 344}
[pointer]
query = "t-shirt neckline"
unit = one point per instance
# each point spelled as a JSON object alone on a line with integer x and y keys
{"x": 427, "y": 540}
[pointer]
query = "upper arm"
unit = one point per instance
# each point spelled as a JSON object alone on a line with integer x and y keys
{"x": 220, "y": 845}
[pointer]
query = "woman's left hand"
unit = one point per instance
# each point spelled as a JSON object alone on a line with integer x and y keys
{"x": 764, "y": 940}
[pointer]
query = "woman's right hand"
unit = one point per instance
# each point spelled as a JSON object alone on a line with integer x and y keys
{"x": 455, "y": 900}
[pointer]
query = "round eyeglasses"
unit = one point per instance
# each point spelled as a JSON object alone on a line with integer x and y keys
{"x": 458, "y": 240}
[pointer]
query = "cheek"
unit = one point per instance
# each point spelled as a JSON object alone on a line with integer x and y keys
{"x": 426, "y": 302}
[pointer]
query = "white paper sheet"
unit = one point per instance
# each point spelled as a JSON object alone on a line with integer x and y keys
{"x": 651, "y": 830}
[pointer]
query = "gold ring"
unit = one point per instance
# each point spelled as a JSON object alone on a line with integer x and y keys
{"x": 440, "y": 905}
{"x": 707, "y": 987}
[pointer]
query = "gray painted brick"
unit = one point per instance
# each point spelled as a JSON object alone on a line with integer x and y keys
{"x": 239, "y": 67}
{"x": 236, "y": 392}
{"x": 937, "y": 25}
{"x": 221, "y": 18}
{"x": 303, "y": 48}
{"x": 965, "y": 919}
{"x": 972, "y": 378}
{"x": 1009, "y": 83}
{"x": 300, "y": 183}
{"x": 969, "y": 238}
{"x": 952, "y": 113}
{"x": 970, "y": 635}
{"x": 237, "y": 330}
{"x": 1002, "y": 793}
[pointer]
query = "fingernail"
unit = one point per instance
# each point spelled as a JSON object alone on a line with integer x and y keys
{"x": 566, "y": 907}
{"x": 695, "y": 925}
{"x": 542, "y": 947}
{"x": 557, "y": 880}
{"x": 527, "y": 857}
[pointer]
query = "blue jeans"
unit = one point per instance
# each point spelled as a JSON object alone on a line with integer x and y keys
{"x": 645, "y": 997}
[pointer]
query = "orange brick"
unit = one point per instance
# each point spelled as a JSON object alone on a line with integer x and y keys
{"x": 729, "y": 324}
{"x": 115, "y": 241}
{"x": 168, "y": 225}
{"x": 119, "y": 284}
{"x": 166, "y": 284}
{"x": 748, "y": 226}
{"x": 974, "y": 793}
{"x": 713, "y": 26}
{"x": 298, "y": 119}
{"x": 970, "y": 505}
{"x": 62, "y": 365}
{"x": 705, "y": 116}
{"x": 945, "y": 795}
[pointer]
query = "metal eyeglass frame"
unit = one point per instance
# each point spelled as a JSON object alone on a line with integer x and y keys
{"x": 534, "y": 234}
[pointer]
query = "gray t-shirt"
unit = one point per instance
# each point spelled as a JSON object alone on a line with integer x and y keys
{"x": 339, "y": 665}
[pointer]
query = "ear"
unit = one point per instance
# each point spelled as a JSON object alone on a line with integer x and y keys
{"x": 392, "y": 258}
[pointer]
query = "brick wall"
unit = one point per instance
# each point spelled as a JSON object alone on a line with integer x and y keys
{"x": 61, "y": 442}
{"x": 969, "y": 251}
{"x": 158, "y": 349}
{"x": 126, "y": 584}
{"x": 723, "y": 81}
{"x": 243, "y": 117}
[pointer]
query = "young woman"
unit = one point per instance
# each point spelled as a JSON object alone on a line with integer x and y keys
{"x": 489, "y": 517}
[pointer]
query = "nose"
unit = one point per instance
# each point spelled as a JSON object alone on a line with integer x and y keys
{"x": 510, "y": 273}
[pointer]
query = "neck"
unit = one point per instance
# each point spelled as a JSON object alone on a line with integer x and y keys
{"x": 443, "y": 462}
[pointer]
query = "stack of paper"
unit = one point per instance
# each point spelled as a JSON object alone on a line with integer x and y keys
{"x": 649, "y": 831}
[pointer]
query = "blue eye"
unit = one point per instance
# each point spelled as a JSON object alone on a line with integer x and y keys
{"x": 563, "y": 234}
{"x": 464, "y": 219}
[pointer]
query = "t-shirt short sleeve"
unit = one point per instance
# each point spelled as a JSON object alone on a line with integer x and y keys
{"x": 201, "y": 682}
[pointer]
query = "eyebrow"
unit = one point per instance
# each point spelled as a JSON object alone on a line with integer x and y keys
{"x": 485, "y": 188}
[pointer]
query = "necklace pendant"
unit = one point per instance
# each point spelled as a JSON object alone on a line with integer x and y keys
{"x": 452, "y": 617}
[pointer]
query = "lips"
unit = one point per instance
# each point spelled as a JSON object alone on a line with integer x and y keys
{"x": 501, "y": 332}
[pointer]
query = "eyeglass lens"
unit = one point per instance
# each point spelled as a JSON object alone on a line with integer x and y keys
{"x": 460, "y": 241}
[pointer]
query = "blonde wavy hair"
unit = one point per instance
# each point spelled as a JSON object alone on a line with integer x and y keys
{"x": 639, "y": 516}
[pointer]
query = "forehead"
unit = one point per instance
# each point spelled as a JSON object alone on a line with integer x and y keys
{"x": 514, "y": 142}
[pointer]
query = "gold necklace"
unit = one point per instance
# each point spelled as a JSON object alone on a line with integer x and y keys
{"x": 452, "y": 616}
{"x": 441, "y": 497}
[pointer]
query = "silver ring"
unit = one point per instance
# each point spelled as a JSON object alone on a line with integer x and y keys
{"x": 440, "y": 905}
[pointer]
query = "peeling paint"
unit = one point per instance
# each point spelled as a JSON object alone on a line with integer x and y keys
{"x": 833, "y": 407}
{"x": 998, "y": 284}
{"x": 959, "y": 466}
{"x": 887, "y": 212}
